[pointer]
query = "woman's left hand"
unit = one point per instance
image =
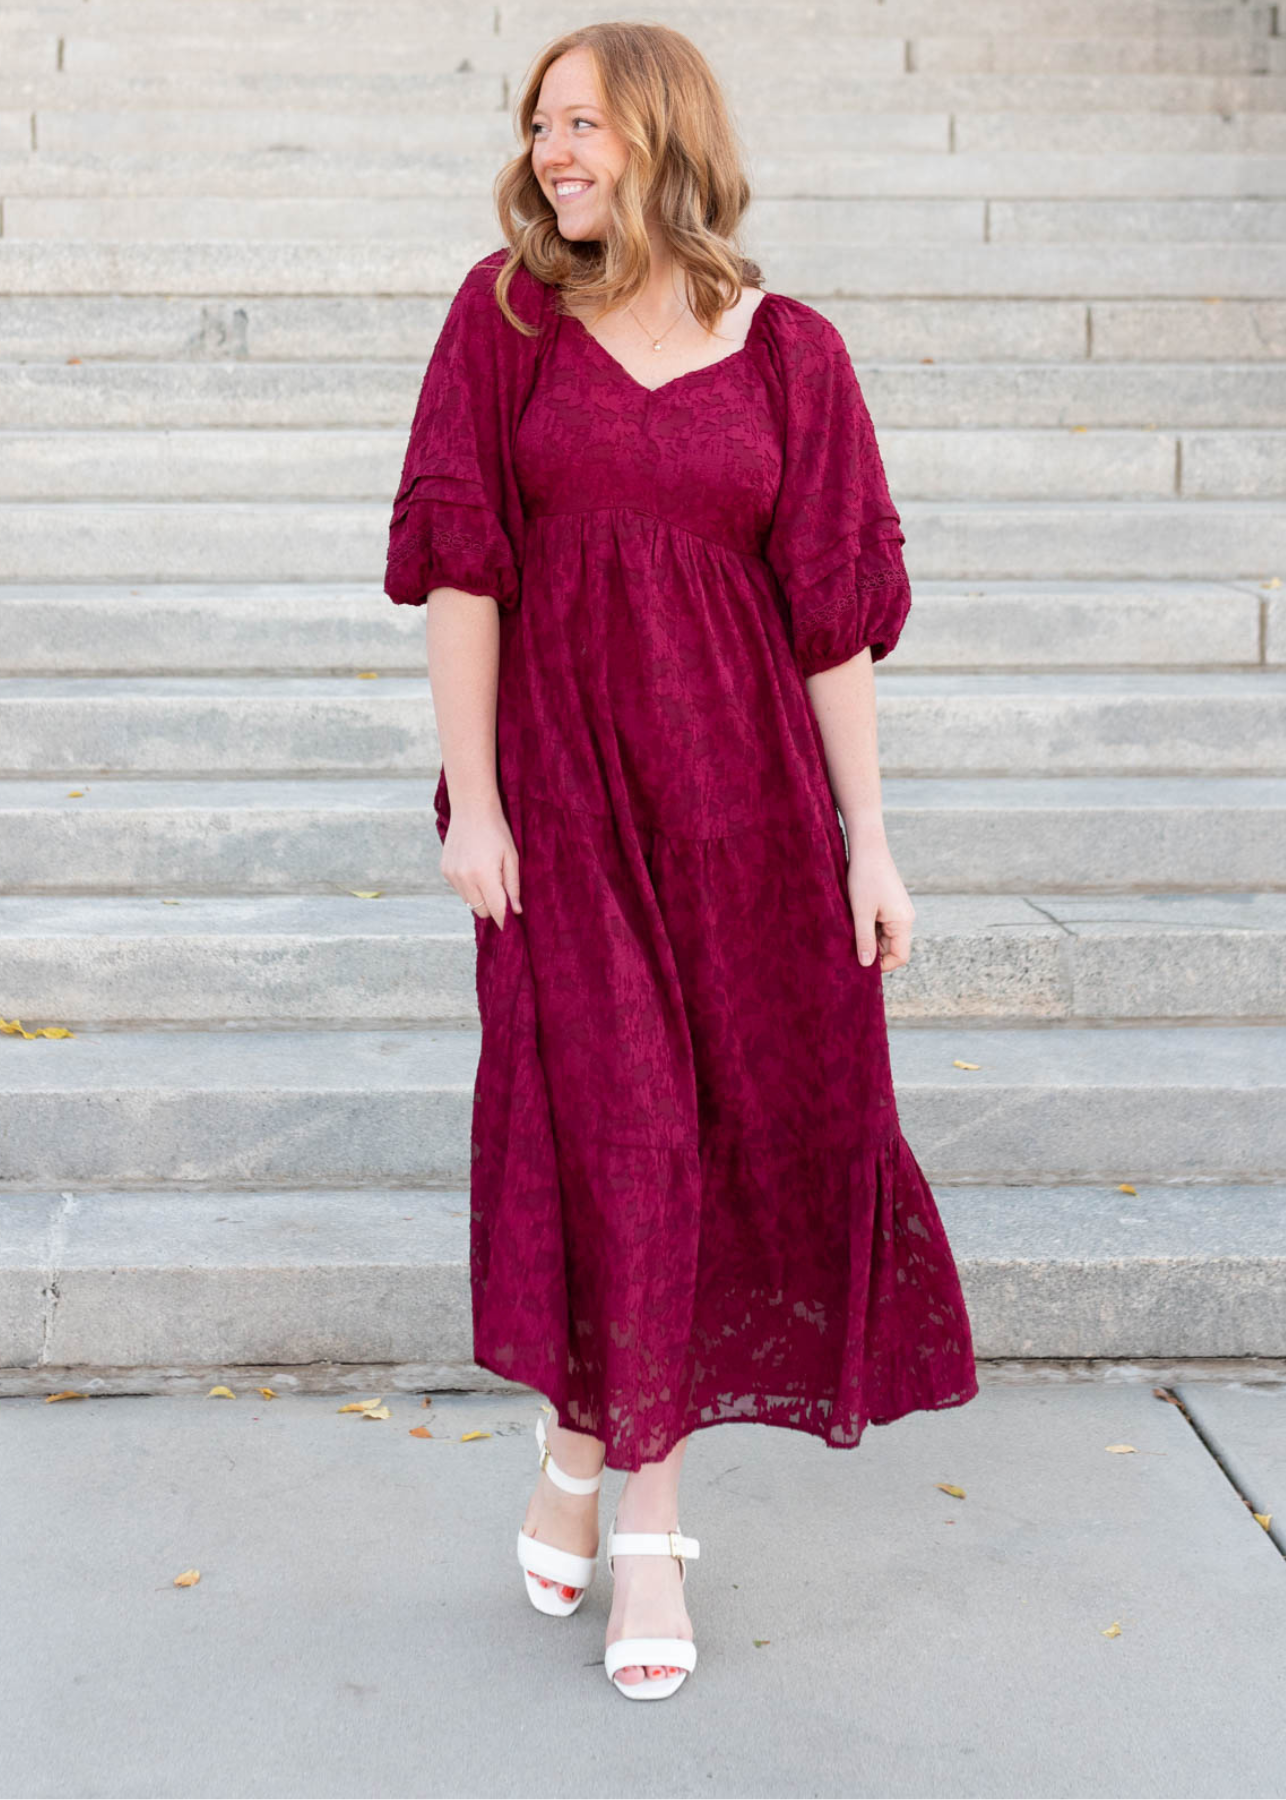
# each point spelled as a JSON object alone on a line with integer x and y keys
{"x": 882, "y": 909}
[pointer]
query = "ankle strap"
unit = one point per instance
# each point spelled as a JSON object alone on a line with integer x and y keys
{"x": 570, "y": 1484}
{"x": 652, "y": 1543}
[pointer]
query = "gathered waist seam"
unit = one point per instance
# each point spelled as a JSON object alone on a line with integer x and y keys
{"x": 641, "y": 512}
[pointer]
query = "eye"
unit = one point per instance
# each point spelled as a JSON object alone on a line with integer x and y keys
{"x": 537, "y": 129}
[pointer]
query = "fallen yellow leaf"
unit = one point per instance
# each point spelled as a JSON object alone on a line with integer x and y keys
{"x": 16, "y": 1028}
{"x": 368, "y": 675}
{"x": 957, "y": 1064}
{"x": 376, "y": 1412}
{"x": 1275, "y": 582}
{"x": 469, "y": 1436}
{"x": 222, "y": 1393}
{"x": 1122, "y": 1450}
{"x": 267, "y": 1393}
{"x": 1264, "y": 1519}
{"x": 362, "y": 1405}
{"x": 371, "y": 894}
{"x": 955, "y": 1492}
{"x": 171, "y": 903}
{"x": 1113, "y": 1630}
{"x": 76, "y": 794}
{"x": 188, "y": 1578}
{"x": 66, "y": 1394}
{"x": 420, "y": 1431}
{"x": 1123, "y": 1187}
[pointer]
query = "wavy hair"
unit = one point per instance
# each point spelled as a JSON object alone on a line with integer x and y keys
{"x": 685, "y": 161}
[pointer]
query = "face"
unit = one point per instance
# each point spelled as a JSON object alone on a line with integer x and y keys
{"x": 573, "y": 144}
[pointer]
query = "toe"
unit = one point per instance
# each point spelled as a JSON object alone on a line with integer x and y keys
{"x": 569, "y": 1593}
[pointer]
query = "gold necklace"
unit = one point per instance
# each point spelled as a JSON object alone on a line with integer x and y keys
{"x": 656, "y": 341}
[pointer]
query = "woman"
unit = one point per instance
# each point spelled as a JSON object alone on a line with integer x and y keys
{"x": 646, "y": 502}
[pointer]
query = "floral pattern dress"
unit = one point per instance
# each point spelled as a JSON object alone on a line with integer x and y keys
{"x": 692, "y": 1201}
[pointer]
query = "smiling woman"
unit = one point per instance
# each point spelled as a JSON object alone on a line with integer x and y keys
{"x": 693, "y": 1203}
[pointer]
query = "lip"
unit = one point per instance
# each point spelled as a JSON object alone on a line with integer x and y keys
{"x": 566, "y": 199}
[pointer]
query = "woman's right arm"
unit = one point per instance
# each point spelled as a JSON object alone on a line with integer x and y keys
{"x": 479, "y": 858}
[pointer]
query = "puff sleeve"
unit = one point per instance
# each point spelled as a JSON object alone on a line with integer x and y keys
{"x": 835, "y": 541}
{"x": 457, "y": 516}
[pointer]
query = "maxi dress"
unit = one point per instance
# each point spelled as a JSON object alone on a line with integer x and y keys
{"x": 691, "y": 1199}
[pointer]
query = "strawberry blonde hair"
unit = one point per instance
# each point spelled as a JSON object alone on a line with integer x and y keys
{"x": 662, "y": 96}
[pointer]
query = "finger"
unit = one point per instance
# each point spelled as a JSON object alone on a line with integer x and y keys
{"x": 472, "y": 898}
{"x": 866, "y": 944}
{"x": 509, "y": 875}
{"x": 897, "y": 943}
{"x": 493, "y": 893}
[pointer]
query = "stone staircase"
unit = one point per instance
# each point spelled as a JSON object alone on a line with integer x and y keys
{"x": 1055, "y": 239}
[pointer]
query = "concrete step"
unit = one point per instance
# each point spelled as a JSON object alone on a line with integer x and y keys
{"x": 1045, "y": 56}
{"x": 348, "y": 1108}
{"x": 242, "y": 541}
{"x": 123, "y": 1280}
{"x": 847, "y": 173}
{"x": 1178, "y": 132}
{"x": 269, "y": 329}
{"x": 1222, "y": 834}
{"x": 937, "y": 397}
{"x": 949, "y": 724}
{"x": 351, "y": 464}
{"x": 1093, "y": 540}
{"x": 754, "y": 75}
{"x": 101, "y": 962}
{"x": 351, "y": 49}
{"x": 293, "y": 131}
{"x": 444, "y": 90}
{"x": 833, "y": 222}
{"x": 956, "y": 270}
{"x": 867, "y": 18}
{"x": 300, "y": 628}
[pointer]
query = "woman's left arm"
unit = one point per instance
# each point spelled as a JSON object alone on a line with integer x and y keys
{"x": 835, "y": 545}
{"x": 843, "y": 700}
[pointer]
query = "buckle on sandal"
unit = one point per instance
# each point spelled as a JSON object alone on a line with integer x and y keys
{"x": 674, "y": 1544}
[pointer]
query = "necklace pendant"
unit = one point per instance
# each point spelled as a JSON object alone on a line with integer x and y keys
{"x": 657, "y": 344}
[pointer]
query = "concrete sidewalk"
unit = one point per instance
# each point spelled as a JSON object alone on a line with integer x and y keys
{"x": 359, "y": 1628}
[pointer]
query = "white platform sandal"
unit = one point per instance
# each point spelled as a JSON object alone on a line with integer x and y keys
{"x": 561, "y": 1566}
{"x": 680, "y": 1653}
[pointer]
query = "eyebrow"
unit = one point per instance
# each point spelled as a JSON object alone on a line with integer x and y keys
{"x": 572, "y": 106}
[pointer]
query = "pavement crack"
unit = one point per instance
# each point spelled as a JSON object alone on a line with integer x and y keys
{"x": 1207, "y": 1444}
{"x": 55, "y": 1256}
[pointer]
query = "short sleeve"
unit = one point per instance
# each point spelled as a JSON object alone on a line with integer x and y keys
{"x": 456, "y": 519}
{"x": 835, "y": 542}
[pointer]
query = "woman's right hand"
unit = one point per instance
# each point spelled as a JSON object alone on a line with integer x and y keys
{"x": 480, "y": 860}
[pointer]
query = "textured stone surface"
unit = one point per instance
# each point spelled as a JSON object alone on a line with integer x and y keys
{"x": 359, "y": 1598}
{"x": 1053, "y": 242}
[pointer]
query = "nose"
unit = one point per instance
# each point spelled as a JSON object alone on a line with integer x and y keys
{"x": 550, "y": 149}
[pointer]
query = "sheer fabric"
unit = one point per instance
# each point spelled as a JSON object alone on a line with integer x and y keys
{"x": 692, "y": 1201}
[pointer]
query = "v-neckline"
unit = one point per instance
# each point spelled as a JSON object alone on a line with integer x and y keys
{"x": 687, "y": 374}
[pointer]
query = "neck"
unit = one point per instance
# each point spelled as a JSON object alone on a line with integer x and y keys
{"x": 663, "y": 296}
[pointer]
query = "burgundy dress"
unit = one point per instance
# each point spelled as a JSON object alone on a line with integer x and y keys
{"x": 692, "y": 1202}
